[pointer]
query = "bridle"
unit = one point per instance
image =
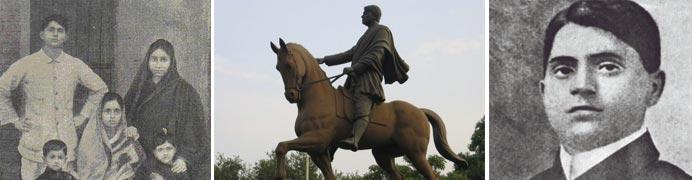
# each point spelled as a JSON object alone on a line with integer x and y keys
{"x": 334, "y": 78}
{"x": 299, "y": 81}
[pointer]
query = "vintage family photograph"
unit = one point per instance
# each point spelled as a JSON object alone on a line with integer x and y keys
{"x": 590, "y": 89}
{"x": 105, "y": 89}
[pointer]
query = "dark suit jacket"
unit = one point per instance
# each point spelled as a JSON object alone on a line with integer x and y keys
{"x": 638, "y": 161}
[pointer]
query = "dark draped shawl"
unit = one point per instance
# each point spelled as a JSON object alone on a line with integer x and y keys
{"x": 373, "y": 57}
{"x": 173, "y": 104}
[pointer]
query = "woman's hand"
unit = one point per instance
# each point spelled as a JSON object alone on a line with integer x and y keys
{"x": 131, "y": 132}
{"x": 179, "y": 166}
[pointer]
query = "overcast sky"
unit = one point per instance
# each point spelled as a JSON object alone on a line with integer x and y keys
{"x": 443, "y": 42}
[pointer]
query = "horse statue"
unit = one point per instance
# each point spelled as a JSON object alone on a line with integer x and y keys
{"x": 396, "y": 128}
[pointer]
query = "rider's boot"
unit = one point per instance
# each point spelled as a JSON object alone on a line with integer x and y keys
{"x": 359, "y": 127}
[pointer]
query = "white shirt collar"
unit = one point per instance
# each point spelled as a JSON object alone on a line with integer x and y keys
{"x": 583, "y": 161}
{"x": 49, "y": 59}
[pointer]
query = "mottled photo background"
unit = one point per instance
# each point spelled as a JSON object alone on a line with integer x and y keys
{"x": 522, "y": 142}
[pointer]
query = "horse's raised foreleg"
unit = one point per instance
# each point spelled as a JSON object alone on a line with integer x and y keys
{"x": 386, "y": 161}
{"x": 322, "y": 161}
{"x": 308, "y": 142}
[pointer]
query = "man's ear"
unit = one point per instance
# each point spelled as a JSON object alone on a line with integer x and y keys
{"x": 658, "y": 83}
{"x": 541, "y": 86}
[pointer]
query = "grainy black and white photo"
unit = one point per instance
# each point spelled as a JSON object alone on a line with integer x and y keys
{"x": 105, "y": 89}
{"x": 590, "y": 89}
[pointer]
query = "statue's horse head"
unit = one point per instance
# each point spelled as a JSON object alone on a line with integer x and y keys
{"x": 291, "y": 63}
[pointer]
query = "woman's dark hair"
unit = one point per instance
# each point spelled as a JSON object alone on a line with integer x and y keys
{"x": 109, "y": 96}
{"x": 625, "y": 19}
{"x": 166, "y": 47}
{"x": 162, "y": 137}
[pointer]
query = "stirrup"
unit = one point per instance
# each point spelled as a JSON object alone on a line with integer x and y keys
{"x": 349, "y": 144}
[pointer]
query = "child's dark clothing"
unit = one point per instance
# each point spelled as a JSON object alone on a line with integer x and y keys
{"x": 51, "y": 174}
{"x": 152, "y": 165}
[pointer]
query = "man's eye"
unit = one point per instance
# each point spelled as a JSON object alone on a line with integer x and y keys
{"x": 563, "y": 71}
{"x": 609, "y": 68}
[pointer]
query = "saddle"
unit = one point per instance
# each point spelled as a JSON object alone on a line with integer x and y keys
{"x": 344, "y": 106}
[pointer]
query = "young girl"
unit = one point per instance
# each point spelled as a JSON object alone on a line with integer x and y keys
{"x": 161, "y": 166}
{"x": 108, "y": 149}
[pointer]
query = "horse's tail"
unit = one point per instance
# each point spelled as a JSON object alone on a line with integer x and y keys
{"x": 440, "y": 138}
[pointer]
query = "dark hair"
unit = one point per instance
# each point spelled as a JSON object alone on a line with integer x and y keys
{"x": 625, "y": 19}
{"x": 166, "y": 47}
{"x": 109, "y": 96}
{"x": 162, "y": 137}
{"x": 54, "y": 17}
{"x": 375, "y": 10}
{"x": 54, "y": 145}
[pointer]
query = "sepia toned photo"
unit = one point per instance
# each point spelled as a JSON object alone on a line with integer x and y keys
{"x": 105, "y": 89}
{"x": 590, "y": 89}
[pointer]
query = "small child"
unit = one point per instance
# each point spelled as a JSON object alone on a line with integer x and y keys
{"x": 54, "y": 155}
{"x": 161, "y": 167}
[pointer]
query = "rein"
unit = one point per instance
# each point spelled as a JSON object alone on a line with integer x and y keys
{"x": 335, "y": 77}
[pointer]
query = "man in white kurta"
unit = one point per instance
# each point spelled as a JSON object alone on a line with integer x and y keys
{"x": 48, "y": 79}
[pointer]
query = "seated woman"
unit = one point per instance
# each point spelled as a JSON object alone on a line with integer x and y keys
{"x": 159, "y": 98}
{"x": 161, "y": 167}
{"x": 107, "y": 149}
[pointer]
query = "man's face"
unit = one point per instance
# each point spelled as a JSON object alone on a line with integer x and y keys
{"x": 368, "y": 18}
{"x": 53, "y": 35}
{"x": 595, "y": 90}
{"x": 55, "y": 160}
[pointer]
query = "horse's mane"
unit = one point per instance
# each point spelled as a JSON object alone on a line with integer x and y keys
{"x": 297, "y": 48}
{"x": 304, "y": 55}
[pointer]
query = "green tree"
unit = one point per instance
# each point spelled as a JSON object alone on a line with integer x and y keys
{"x": 437, "y": 163}
{"x": 227, "y": 168}
{"x": 374, "y": 173}
{"x": 295, "y": 167}
{"x": 475, "y": 158}
{"x": 476, "y": 170}
{"x": 264, "y": 168}
{"x": 348, "y": 176}
{"x": 478, "y": 138}
{"x": 408, "y": 171}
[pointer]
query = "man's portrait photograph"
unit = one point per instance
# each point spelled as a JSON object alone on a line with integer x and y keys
{"x": 590, "y": 89}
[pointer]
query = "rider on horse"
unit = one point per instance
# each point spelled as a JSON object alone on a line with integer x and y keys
{"x": 372, "y": 58}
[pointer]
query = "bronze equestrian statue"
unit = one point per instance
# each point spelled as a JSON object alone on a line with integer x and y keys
{"x": 324, "y": 118}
